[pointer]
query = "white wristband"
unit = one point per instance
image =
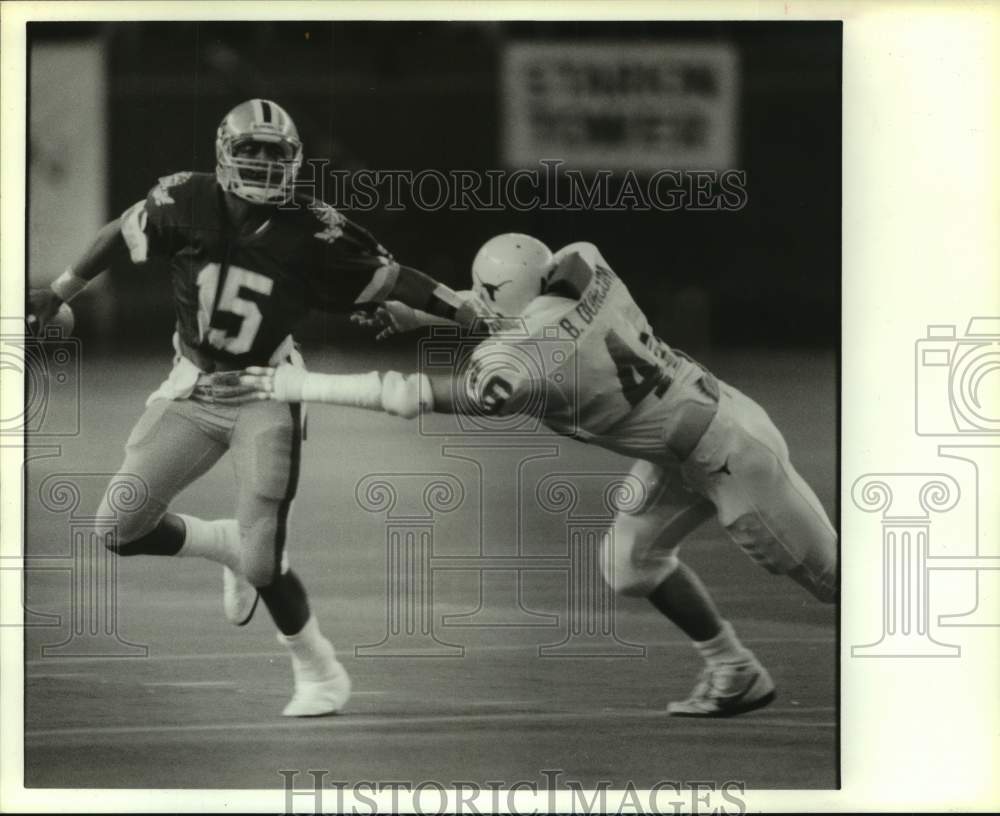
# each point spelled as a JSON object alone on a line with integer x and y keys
{"x": 68, "y": 285}
{"x": 394, "y": 393}
{"x": 356, "y": 390}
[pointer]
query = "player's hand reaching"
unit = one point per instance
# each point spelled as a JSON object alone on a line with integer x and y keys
{"x": 389, "y": 318}
{"x": 230, "y": 388}
{"x": 282, "y": 384}
{"x": 42, "y": 306}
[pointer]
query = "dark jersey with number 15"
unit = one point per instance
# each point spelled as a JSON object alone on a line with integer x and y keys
{"x": 238, "y": 297}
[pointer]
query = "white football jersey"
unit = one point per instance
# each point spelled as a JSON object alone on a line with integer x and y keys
{"x": 584, "y": 357}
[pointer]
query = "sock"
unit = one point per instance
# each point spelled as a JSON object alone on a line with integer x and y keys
{"x": 312, "y": 654}
{"x": 285, "y": 598}
{"x": 685, "y": 601}
{"x": 724, "y": 649}
{"x": 217, "y": 540}
{"x": 166, "y": 538}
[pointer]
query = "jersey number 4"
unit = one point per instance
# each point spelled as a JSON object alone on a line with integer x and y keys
{"x": 637, "y": 374}
{"x": 245, "y": 313}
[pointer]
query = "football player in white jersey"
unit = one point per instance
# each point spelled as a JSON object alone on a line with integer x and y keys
{"x": 702, "y": 447}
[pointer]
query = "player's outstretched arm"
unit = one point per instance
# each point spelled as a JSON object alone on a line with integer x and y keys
{"x": 405, "y": 395}
{"x": 107, "y": 247}
{"x": 422, "y": 292}
{"x": 393, "y": 317}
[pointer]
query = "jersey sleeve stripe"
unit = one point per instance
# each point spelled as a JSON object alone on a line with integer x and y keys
{"x": 133, "y": 228}
{"x": 382, "y": 283}
{"x": 571, "y": 277}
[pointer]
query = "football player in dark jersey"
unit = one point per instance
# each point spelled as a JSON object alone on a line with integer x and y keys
{"x": 248, "y": 257}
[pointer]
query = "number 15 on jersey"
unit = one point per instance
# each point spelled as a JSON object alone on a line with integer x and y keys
{"x": 246, "y": 314}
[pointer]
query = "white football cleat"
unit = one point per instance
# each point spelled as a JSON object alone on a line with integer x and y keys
{"x": 322, "y": 685}
{"x": 725, "y": 691}
{"x": 239, "y": 597}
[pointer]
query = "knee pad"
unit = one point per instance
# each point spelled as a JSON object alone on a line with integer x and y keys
{"x": 629, "y": 562}
{"x": 761, "y": 545}
{"x": 654, "y": 484}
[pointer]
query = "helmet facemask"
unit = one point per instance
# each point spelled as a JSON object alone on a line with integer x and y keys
{"x": 259, "y": 180}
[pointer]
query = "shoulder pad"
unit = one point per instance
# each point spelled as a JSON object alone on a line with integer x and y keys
{"x": 331, "y": 223}
{"x": 586, "y": 250}
{"x": 571, "y": 273}
{"x": 162, "y": 192}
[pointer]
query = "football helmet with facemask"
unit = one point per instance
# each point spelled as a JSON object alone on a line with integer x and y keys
{"x": 509, "y": 272}
{"x": 258, "y": 152}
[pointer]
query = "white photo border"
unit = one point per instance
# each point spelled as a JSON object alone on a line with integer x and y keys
{"x": 921, "y": 247}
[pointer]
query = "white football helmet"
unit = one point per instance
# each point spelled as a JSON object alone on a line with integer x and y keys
{"x": 249, "y": 125}
{"x": 509, "y": 272}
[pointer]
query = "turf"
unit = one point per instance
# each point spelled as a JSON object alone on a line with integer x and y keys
{"x": 202, "y": 707}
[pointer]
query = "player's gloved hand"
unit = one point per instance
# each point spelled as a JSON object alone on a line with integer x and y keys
{"x": 389, "y": 318}
{"x": 282, "y": 384}
{"x": 41, "y": 308}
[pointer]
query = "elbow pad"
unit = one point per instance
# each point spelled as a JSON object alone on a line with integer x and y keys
{"x": 406, "y": 396}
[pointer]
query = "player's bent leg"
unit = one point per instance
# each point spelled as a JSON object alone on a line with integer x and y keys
{"x": 786, "y": 534}
{"x": 686, "y": 602}
{"x": 239, "y": 596}
{"x": 733, "y": 680}
{"x": 818, "y": 572}
{"x": 768, "y": 509}
{"x": 266, "y": 449}
{"x": 640, "y": 558}
{"x": 165, "y": 452}
{"x": 628, "y": 562}
{"x": 322, "y": 684}
{"x": 641, "y": 549}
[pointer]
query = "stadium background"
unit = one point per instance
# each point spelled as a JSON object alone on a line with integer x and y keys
{"x": 411, "y": 96}
{"x": 752, "y": 293}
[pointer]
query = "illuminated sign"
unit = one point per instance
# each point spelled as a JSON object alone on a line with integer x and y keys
{"x": 620, "y": 105}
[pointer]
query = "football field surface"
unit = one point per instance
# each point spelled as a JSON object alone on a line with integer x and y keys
{"x": 198, "y": 702}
